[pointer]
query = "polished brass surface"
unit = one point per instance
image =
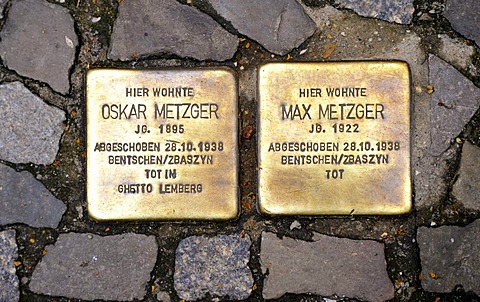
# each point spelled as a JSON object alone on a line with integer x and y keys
{"x": 162, "y": 144}
{"x": 334, "y": 138}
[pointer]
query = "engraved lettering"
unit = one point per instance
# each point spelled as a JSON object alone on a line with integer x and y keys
{"x": 186, "y": 111}
{"x": 121, "y": 111}
{"x": 136, "y": 92}
{"x": 296, "y": 112}
{"x": 351, "y": 111}
{"x": 166, "y": 188}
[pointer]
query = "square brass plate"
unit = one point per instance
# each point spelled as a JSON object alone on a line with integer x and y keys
{"x": 334, "y": 138}
{"x": 162, "y": 144}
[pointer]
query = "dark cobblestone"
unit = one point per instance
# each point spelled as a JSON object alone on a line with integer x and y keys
{"x": 23, "y": 199}
{"x": 39, "y": 41}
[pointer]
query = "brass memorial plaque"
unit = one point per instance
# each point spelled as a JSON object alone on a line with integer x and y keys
{"x": 334, "y": 138}
{"x": 162, "y": 144}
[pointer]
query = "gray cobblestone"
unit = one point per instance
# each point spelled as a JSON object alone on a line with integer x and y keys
{"x": 278, "y": 25}
{"x": 184, "y": 31}
{"x": 455, "y": 100}
{"x": 467, "y": 187}
{"x": 456, "y": 51}
{"x": 448, "y": 256}
{"x": 23, "y": 199}
{"x": 29, "y": 128}
{"x": 327, "y": 266}
{"x": 217, "y": 266}
{"x": 8, "y": 279}
{"x": 464, "y": 17}
{"x": 39, "y": 41}
{"x": 89, "y": 267}
{"x": 392, "y": 11}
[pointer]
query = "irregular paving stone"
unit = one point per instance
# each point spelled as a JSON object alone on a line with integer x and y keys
{"x": 464, "y": 17}
{"x": 38, "y": 41}
{"x": 167, "y": 26}
{"x": 467, "y": 187}
{"x": 455, "y": 51}
{"x": 8, "y": 279}
{"x": 278, "y": 25}
{"x": 327, "y": 266}
{"x": 23, "y": 199}
{"x": 449, "y": 256}
{"x": 455, "y": 100}
{"x": 89, "y": 267}
{"x": 218, "y": 266}
{"x": 400, "y": 11}
{"x": 29, "y": 129}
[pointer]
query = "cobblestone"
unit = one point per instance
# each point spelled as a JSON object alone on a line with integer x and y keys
{"x": 455, "y": 100}
{"x": 217, "y": 266}
{"x": 447, "y": 260}
{"x": 31, "y": 127}
{"x": 327, "y": 266}
{"x": 184, "y": 31}
{"x": 89, "y": 267}
{"x": 39, "y": 41}
{"x": 456, "y": 51}
{"x": 278, "y": 25}
{"x": 464, "y": 17}
{"x": 23, "y": 199}
{"x": 392, "y": 11}
{"x": 8, "y": 279}
{"x": 467, "y": 187}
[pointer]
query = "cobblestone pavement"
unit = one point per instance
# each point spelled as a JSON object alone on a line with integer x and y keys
{"x": 50, "y": 250}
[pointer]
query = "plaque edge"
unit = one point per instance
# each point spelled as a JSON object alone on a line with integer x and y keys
{"x": 403, "y": 208}
{"x": 234, "y": 211}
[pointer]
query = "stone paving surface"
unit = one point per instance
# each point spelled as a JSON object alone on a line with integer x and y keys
{"x": 8, "y": 279}
{"x": 447, "y": 259}
{"x": 352, "y": 268}
{"x": 217, "y": 266}
{"x": 455, "y": 100}
{"x": 278, "y": 25}
{"x": 457, "y": 51}
{"x": 184, "y": 31}
{"x": 29, "y": 128}
{"x": 467, "y": 186}
{"x": 398, "y": 11}
{"x": 464, "y": 17}
{"x": 88, "y": 266}
{"x": 37, "y": 29}
{"x": 23, "y": 199}
{"x": 51, "y": 250}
